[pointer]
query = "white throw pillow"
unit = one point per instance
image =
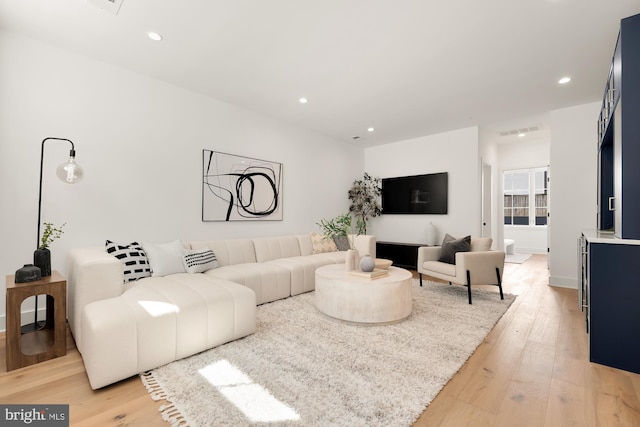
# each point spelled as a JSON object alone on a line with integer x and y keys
{"x": 199, "y": 260}
{"x": 165, "y": 258}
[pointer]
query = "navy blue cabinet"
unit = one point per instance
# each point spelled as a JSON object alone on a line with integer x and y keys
{"x": 605, "y": 184}
{"x": 612, "y": 299}
{"x": 609, "y": 291}
{"x": 619, "y": 137}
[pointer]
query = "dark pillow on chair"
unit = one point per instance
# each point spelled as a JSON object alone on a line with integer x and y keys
{"x": 451, "y": 245}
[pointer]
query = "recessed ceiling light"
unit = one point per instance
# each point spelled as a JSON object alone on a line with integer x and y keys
{"x": 521, "y": 135}
{"x": 564, "y": 80}
{"x": 154, "y": 36}
{"x": 370, "y": 129}
{"x": 303, "y": 100}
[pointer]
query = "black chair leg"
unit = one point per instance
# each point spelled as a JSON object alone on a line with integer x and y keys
{"x": 469, "y": 285}
{"x": 499, "y": 282}
{"x": 420, "y": 279}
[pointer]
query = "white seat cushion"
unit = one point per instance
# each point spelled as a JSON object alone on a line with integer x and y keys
{"x": 162, "y": 319}
{"x": 440, "y": 267}
{"x": 269, "y": 281}
{"x": 302, "y": 269}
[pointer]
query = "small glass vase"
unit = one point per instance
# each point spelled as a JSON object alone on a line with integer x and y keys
{"x": 42, "y": 259}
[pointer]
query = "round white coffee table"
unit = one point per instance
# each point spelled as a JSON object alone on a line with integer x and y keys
{"x": 356, "y": 299}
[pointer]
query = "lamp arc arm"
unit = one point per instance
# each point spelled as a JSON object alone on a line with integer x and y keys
{"x": 72, "y": 153}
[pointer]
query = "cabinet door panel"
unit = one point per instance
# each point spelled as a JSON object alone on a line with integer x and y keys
{"x": 614, "y": 299}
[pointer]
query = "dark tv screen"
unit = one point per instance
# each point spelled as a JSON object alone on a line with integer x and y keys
{"x": 418, "y": 194}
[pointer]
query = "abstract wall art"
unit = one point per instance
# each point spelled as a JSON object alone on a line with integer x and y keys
{"x": 236, "y": 188}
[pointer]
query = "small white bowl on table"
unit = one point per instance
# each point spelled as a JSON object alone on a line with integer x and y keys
{"x": 383, "y": 263}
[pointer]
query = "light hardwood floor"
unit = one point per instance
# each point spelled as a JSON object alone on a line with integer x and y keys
{"x": 533, "y": 369}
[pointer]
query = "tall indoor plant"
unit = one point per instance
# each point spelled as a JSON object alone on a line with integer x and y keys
{"x": 365, "y": 200}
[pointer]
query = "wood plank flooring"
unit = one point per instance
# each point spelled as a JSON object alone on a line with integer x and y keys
{"x": 533, "y": 369}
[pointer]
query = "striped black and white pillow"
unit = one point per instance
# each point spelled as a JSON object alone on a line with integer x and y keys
{"x": 133, "y": 258}
{"x": 199, "y": 260}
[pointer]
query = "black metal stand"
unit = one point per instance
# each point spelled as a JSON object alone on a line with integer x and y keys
{"x": 40, "y": 324}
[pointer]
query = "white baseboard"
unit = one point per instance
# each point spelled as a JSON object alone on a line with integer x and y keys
{"x": 537, "y": 251}
{"x": 563, "y": 282}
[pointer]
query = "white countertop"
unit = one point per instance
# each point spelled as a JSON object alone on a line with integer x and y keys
{"x": 598, "y": 236}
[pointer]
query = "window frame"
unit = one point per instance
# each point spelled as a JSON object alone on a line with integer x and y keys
{"x": 532, "y": 205}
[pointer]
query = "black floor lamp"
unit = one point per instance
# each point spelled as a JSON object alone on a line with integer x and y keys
{"x": 69, "y": 172}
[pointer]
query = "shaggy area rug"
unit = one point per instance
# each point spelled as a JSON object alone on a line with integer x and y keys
{"x": 303, "y": 368}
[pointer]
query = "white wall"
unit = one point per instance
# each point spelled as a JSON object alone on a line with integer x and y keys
{"x": 140, "y": 142}
{"x": 455, "y": 152}
{"x": 573, "y": 187}
{"x": 524, "y": 154}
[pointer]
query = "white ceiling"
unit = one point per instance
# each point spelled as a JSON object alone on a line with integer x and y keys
{"x": 405, "y": 67}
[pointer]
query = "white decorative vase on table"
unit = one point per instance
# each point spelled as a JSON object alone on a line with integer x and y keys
{"x": 351, "y": 260}
{"x": 431, "y": 234}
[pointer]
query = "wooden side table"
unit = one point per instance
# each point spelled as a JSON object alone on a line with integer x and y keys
{"x": 24, "y": 349}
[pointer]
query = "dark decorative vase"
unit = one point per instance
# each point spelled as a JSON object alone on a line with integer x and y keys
{"x": 42, "y": 259}
{"x": 28, "y": 273}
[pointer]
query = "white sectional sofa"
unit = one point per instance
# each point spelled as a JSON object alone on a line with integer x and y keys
{"x": 122, "y": 329}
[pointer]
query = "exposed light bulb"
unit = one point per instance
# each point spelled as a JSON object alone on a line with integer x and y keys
{"x": 70, "y": 172}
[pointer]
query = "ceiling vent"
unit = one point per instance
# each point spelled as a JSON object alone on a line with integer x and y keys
{"x": 524, "y": 130}
{"x": 111, "y": 6}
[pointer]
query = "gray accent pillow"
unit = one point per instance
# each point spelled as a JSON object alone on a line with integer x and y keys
{"x": 342, "y": 242}
{"x": 451, "y": 245}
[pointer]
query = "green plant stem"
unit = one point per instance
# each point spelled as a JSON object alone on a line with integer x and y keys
{"x": 50, "y": 234}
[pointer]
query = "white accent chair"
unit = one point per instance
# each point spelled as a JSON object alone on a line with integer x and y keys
{"x": 480, "y": 266}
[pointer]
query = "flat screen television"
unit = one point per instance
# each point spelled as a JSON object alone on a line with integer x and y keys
{"x": 418, "y": 194}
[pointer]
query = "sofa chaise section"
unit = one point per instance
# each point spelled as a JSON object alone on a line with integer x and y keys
{"x": 162, "y": 320}
{"x": 124, "y": 329}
